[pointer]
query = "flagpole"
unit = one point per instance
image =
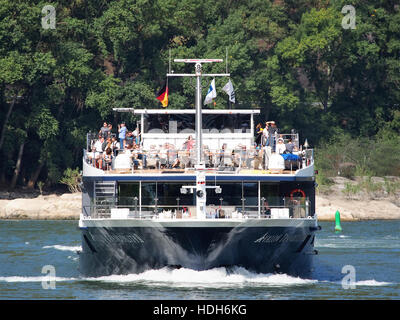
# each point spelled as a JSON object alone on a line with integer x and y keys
{"x": 226, "y": 59}
{"x": 169, "y": 62}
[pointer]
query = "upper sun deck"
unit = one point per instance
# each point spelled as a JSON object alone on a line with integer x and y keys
{"x": 172, "y": 126}
{"x": 228, "y": 140}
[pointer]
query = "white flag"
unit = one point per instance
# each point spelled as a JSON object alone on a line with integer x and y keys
{"x": 228, "y": 88}
{"x": 211, "y": 94}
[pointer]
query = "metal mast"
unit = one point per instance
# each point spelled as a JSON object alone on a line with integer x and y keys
{"x": 198, "y": 74}
{"x": 200, "y": 176}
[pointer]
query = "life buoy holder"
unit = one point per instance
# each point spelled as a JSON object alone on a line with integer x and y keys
{"x": 297, "y": 190}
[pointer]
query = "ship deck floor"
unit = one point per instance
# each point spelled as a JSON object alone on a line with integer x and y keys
{"x": 192, "y": 171}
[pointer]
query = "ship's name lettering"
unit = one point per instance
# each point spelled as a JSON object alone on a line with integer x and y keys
{"x": 131, "y": 238}
{"x": 270, "y": 238}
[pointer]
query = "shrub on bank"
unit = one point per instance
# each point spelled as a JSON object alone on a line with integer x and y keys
{"x": 343, "y": 155}
{"x": 72, "y": 178}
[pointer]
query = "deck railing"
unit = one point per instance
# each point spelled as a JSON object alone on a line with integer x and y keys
{"x": 167, "y": 156}
{"x": 276, "y": 207}
{"x": 228, "y": 160}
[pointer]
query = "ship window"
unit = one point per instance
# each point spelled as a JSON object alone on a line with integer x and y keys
{"x": 235, "y": 123}
{"x": 250, "y": 193}
{"x": 168, "y": 123}
{"x": 270, "y": 192}
{"x": 167, "y": 194}
{"x": 232, "y": 194}
{"x": 127, "y": 192}
{"x": 185, "y": 123}
{"x": 148, "y": 193}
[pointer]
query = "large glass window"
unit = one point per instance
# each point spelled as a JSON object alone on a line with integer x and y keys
{"x": 225, "y": 123}
{"x": 127, "y": 192}
{"x": 149, "y": 190}
{"x": 183, "y": 123}
{"x": 168, "y": 123}
{"x": 232, "y": 194}
{"x": 250, "y": 193}
{"x": 167, "y": 194}
{"x": 270, "y": 192}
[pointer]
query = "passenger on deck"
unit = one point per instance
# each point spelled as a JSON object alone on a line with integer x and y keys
{"x": 91, "y": 156}
{"x": 98, "y": 145}
{"x": 129, "y": 138}
{"x": 114, "y": 146}
{"x": 140, "y": 156}
{"x": 235, "y": 159}
{"x": 107, "y": 159}
{"x": 280, "y": 147}
{"x": 265, "y": 135}
{"x": 136, "y": 155}
{"x": 176, "y": 164}
{"x": 136, "y": 135}
{"x": 189, "y": 143}
{"x": 221, "y": 154}
{"x": 108, "y": 143}
{"x": 104, "y": 131}
{"x": 259, "y": 132}
{"x": 122, "y": 134}
{"x": 272, "y": 133}
{"x": 290, "y": 147}
{"x": 255, "y": 157}
{"x": 208, "y": 156}
{"x": 244, "y": 157}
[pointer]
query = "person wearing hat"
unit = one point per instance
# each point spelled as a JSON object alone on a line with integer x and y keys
{"x": 280, "y": 146}
{"x": 272, "y": 132}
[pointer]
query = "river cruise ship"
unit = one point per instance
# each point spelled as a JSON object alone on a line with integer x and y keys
{"x": 154, "y": 206}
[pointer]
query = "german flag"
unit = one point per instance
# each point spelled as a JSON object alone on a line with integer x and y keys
{"x": 162, "y": 95}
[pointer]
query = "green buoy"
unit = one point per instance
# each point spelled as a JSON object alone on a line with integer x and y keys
{"x": 338, "y": 228}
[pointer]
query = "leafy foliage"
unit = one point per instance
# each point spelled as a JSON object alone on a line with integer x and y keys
{"x": 292, "y": 59}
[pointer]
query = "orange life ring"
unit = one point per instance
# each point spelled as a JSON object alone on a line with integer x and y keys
{"x": 297, "y": 190}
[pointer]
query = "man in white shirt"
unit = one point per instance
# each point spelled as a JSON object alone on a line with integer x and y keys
{"x": 265, "y": 135}
{"x": 99, "y": 144}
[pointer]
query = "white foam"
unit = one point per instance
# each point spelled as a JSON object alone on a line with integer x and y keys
{"x": 64, "y": 248}
{"x": 372, "y": 282}
{"x": 347, "y": 243}
{"x": 338, "y": 236}
{"x": 213, "y": 278}
{"x": 217, "y": 277}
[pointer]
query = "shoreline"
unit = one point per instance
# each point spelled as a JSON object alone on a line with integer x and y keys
{"x": 68, "y": 206}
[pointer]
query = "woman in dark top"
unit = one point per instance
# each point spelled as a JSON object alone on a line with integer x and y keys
{"x": 259, "y": 131}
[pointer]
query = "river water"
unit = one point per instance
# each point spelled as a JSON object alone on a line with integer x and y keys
{"x": 361, "y": 262}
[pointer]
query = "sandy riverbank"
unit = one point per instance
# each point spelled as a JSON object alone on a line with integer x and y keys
{"x": 49, "y": 207}
{"x": 68, "y": 206}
